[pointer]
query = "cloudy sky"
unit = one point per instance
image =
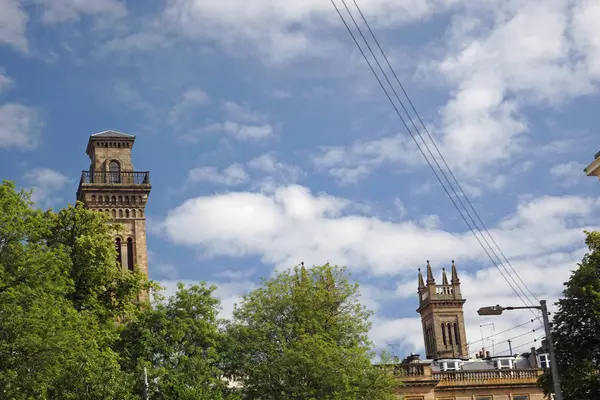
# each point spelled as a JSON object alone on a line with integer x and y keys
{"x": 270, "y": 143}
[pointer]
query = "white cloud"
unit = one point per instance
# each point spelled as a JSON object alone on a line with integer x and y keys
{"x": 292, "y": 224}
{"x": 278, "y": 31}
{"x": 5, "y": 81}
{"x": 130, "y": 97}
{"x": 355, "y": 162}
{"x": 239, "y": 131}
{"x": 233, "y": 175}
{"x": 13, "y": 24}
{"x": 526, "y": 57}
{"x": 277, "y": 172}
{"x": 568, "y": 173}
{"x": 20, "y": 126}
{"x": 400, "y": 207}
{"x": 45, "y": 183}
{"x": 192, "y": 98}
{"x": 57, "y": 11}
{"x": 543, "y": 237}
{"x": 135, "y": 42}
{"x": 243, "y": 113}
{"x": 278, "y": 94}
{"x": 587, "y": 35}
{"x": 497, "y": 58}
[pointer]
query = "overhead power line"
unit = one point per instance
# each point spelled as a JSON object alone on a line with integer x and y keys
{"x": 517, "y": 347}
{"x": 514, "y": 337}
{"x": 500, "y": 333}
{"x": 462, "y": 192}
{"x": 473, "y": 226}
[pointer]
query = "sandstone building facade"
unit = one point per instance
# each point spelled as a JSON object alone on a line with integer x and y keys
{"x": 112, "y": 186}
{"x": 448, "y": 372}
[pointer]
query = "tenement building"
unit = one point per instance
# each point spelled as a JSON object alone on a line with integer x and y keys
{"x": 112, "y": 186}
{"x": 448, "y": 372}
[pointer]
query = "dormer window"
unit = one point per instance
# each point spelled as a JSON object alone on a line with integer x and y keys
{"x": 544, "y": 361}
{"x": 451, "y": 365}
{"x": 505, "y": 363}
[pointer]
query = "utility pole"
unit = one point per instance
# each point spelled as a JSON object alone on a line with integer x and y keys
{"x": 553, "y": 364}
{"x": 498, "y": 309}
{"x": 510, "y": 346}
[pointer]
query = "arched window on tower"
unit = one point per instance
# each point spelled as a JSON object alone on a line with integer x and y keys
{"x": 130, "y": 254}
{"x": 444, "y": 334}
{"x": 450, "y": 334}
{"x": 118, "y": 244}
{"x": 114, "y": 169}
{"x": 456, "y": 335}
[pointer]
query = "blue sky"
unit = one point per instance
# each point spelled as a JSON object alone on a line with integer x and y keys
{"x": 270, "y": 143}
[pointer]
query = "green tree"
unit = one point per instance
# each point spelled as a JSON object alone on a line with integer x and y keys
{"x": 576, "y": 328}
{"x": 61, "y": 295}
{"x": 303, "y": 335}
{"x": 177, "y": 341}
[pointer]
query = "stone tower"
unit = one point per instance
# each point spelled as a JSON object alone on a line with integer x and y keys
{"x": 113, "y": 187}
{"x": 441, "y": 309}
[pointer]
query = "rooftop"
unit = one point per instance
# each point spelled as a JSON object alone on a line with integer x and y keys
{"x": 112, "y": 134}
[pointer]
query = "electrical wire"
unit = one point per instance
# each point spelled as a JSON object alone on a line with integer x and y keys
{"x": 425, "y": 143}
{"x": 501, "y": 332}
{"x": 516, "y": 347}
{"x": 441, "y": 155}
{"x": 515, "y": 337}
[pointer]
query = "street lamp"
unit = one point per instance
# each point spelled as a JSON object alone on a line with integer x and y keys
{"x": 498, "y": 309}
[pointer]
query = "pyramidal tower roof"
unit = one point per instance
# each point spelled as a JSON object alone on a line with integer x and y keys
{"x": 112, "y": 134}
{"x": 109, "y": 135}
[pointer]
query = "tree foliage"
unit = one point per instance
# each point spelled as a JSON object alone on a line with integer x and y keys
{"x": 303, "y": 335}
{"x": 70, "y": 323}
{"x": 177, "y": 340}
{"x": 72, "y": 327}
{"x": 55, "y": 332}
{"x": 576, "y": 328}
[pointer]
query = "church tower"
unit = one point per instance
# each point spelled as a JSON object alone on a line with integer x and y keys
{"x": 441, "y": 309}
{"x": 113, "y": 187}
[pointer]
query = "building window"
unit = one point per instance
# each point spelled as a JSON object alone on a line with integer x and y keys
{"x": 544, "y": 361}
{"x": 476, "y": 397}
{"x": 451, "y": 366}
{"x": 519, "y": 397}
{"x": 130, "y": 254}
{"x": 114, "y": 172}
{"x": 450, "y": 333}
{"x": 456, "y": 335}
{"x": 504, "y": 364}
{"x": 118, "y": 245}
{"x": 444, "y": 334}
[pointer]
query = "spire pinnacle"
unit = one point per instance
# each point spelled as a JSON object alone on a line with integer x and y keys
{"x": 430, "y": 280}
{"x": 421, "y": 282}
{"x": 444, "y": 277}
{"x": 455, "y": 280}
